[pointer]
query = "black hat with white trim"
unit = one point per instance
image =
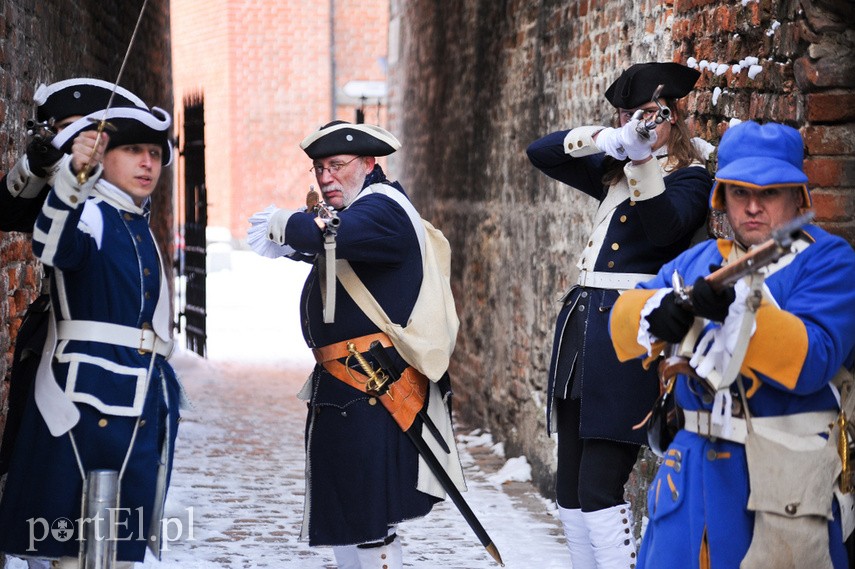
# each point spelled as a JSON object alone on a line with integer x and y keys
{"x": 342, "y": 137}
{"x": 132, "y": 126}
{"x": 636, "y": 85}
{"x": 79, "y": 96}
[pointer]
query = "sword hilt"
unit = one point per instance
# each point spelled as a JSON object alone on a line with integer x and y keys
{"x": 377, "y": 378}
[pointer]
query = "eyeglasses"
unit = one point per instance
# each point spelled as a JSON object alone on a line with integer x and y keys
{"x": 647, "y": 114}
{"x": 333, "y": 168}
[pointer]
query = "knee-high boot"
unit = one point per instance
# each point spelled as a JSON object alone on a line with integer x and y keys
{"x": 611, "y": 537}
{"x": 386, "y": 556}
{"x": 578, "y": 538}
{"x": 346, "y": 557}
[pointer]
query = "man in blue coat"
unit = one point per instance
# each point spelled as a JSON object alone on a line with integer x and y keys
{"x": 652, "y": 190}
{"x": 104, "y": 396}
{"x": 22, "y": 193}
{"x": 370, "y": 249}
{"x": 765, "y": 374}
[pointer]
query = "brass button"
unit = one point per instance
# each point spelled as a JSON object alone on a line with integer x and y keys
{"x": 791, "y": 509}
{"x": 611, "y": 264}
{"x": 372, "y": 401}
{"x": 102, "y": 423}
{"x": 142, "y": 422}
{"x": 631, "y": 203}
{"x": 146, "y": 272}
{"x": 636, "y": 193}
{"x": 147, "y": 295}
{"x": 578, "y": 144}
{"x": 711, "y": 455}
{"x": 128, "y": 217}
{"x": 623, "y": 219}
{"x": 590, "y": 243}
{"x": 139, "y": 238}
{"x": 72, "y": 199}
{"x": 633, "y": 182}
{"x": 615, "y": 246}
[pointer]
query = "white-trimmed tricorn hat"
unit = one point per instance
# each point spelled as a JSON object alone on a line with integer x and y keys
{"x": 342, "y": 137}
{"x": 132, "y": 126}
{"x": 80, "y": 96}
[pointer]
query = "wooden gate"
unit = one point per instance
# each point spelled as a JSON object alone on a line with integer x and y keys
{"x": 192, "y": 256}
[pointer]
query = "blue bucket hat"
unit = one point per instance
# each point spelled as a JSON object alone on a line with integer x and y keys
{"x": 760, "y": 156}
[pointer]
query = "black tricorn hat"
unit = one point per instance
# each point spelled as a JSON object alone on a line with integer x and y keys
{"x": 80, "y": 96}
{"x": 131, "y": 125}
{"x": 636, "y": 85}
{"x": 342, "y": 137}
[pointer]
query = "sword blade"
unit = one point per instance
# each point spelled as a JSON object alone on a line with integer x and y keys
{"x": 379, "y": 354}
{"x": 453, "y": 493}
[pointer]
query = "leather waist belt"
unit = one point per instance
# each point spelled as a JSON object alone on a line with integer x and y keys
{"x": 143, "y": 339}
{"x": 405, "y": 397}
{"x": 620, "y": 281}
{"x": 798, "y": 425}
{"x": 337, "y": 351}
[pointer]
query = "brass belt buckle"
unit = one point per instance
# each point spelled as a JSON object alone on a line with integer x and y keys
{"x": 142, "y": 349}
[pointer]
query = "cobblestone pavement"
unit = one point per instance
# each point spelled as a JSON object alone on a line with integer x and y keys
{"x": 237, "y": 491}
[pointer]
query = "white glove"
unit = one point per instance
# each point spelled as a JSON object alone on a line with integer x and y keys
{"x": 262, "y": 225}
{"x": 636, "y": 146}
{"x": 608, "y": 140}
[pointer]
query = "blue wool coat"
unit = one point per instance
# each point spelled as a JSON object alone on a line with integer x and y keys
{"x": 701, "y": 492}
{"x": 362, "y": 470}
{"x": 106, "y": 269}
{"x": 641, "y": 235}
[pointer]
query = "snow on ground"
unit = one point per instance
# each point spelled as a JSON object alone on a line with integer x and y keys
{"x": 236, "y": 498}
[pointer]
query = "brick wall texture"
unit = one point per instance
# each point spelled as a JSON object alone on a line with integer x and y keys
{"x": 473, "y": 83}
{"x": 42, "y": 41}
{"x": 271, "y": 71}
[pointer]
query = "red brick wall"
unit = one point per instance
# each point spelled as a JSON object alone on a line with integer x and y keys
{"x": 51, "y": 40}
{"x": 473, "y": 83}
{"x": 265, "y": 69}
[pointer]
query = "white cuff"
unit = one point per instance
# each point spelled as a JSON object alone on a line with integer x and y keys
{"x": 66, "y": 187}
{"x": 645, "y": 180}
{"x": 579, "y": 141}
{"x": 645, "y": 338}
{"x": 21, "y": 182}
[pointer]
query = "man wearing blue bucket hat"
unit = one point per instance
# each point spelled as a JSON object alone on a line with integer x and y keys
{"x": 752, "y": 478}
